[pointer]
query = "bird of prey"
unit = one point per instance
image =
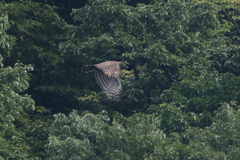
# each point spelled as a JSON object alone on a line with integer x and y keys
{"x": 108, "y": 76}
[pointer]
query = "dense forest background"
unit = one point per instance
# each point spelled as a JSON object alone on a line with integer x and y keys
{"x": 181, "y": 86}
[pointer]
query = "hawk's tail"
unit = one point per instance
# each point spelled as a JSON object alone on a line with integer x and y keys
{"x": 88, "y": 68}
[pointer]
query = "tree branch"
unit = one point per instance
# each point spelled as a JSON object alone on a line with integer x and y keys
{"x": 232, "y": 21}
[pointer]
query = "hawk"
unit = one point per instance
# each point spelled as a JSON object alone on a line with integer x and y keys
{"x": 108, "y": 76}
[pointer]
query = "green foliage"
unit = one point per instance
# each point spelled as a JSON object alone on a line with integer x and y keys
{"x": 138, "y": 137}
{"x": 6, "y": 40}
{"x": 178, "y": 53}
{"x": 156, "y": 40}
{"x": 173, "y": 119}
{"x": 12, "y": 106}
{"x": 91, "y": 137}
{"x": 36, "y": 131}
{"x": 183, "y": 66}
{"x": 39, "y": 30}
{"x": 221, "y": 139}
{"x": 13, "y": 103}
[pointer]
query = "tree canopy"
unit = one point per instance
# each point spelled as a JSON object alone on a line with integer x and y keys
{"x": 181, "y": 85}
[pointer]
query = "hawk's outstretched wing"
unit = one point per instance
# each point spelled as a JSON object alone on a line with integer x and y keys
{"x": 108, "y": 76}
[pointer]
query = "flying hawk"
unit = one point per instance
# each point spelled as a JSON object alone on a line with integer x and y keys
{"x": 108, "y": 76}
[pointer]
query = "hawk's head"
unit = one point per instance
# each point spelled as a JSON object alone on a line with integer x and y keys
{"x": 122, "y": 65}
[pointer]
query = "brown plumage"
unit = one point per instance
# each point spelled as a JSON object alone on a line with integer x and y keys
{"x": 108, "y": 76}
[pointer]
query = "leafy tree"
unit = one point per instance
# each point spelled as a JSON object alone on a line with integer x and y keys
{"x": 164, "y": 43}
{"x": 138, "y": 137}
{"x": 183, "y": 65}
{"x": 91, "y": 137}
{"x": 38, "y": 30}
{"x": 221, "y": 139}
{"x": 212, "y": 77}
{"x": 229, "y": 18}
{"x": 12, "y": 102}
